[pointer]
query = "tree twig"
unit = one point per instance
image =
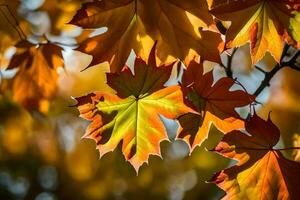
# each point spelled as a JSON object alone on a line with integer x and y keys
{"x": 289, "y": 148}
{"x": 260, "y": 69}
{"x": 16, "y": 24}
{"x": 269, "y": 75}
{"x": 268, "y": 149}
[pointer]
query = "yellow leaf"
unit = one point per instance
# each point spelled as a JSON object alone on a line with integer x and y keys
{"x": 266, "y": 24}
{"x": 132, "y": 116}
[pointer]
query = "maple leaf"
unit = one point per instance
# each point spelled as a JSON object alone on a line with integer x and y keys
{"x": 132, "y": 115}
{"x": 137, "y": 24}
{"x": 266, "y": 24}
{"x": 35, "y": 82}
{"x": 261, "y": 172}
{"x": 215, "y": 103}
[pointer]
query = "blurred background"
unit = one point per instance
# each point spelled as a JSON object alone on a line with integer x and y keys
{"x": 42, "y": 155}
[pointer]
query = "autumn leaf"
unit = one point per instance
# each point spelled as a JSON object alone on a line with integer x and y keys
{"x": 215, "y": 103}
{"x": 132, "y": 116}
{"x": 137, "y": 24}
{"x": 265, "y": 24}
{"x": 262, "y": 172}
{"x": 35, "y": 82}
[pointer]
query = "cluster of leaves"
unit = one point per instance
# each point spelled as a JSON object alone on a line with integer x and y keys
{"x": 164, "y": 33}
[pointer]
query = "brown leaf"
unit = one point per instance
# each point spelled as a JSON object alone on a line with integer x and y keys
{"x": 138, "y": 24}
{"x": 262, "y": 172}
{"x": 215, "y": 103}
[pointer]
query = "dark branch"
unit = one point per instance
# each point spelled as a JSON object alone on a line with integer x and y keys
{"x": 289, "y": 148}
{"x": 292, "y": 63}
{"x": 268, "y": 76}
{"x": 268, "y": 149}
{"x": 221, "y": 27}
{"x": 265, "y": 149}
{"x": 260, "y": 69}
{"x": 15, "y": 24}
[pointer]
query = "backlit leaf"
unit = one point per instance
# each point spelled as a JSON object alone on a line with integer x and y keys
{"x": 137, "y": 24}
{"x": 132, "y": 116}
{"x": 215, "y": 103}
{"x": 266, "y": 24}
{"x": 261, "y": 172}
{"x": 35, "y": 82}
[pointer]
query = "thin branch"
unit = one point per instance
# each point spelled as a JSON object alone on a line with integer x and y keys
{"x": 221, "y": 27}
{"x": 260, "y": 69}
{"x": 15, "y": 26}
{"x": 267, "y": 149}
{"x": 269, "y": 75}
{"x": 295, "y": 68}
{"x": 7, "y": 19}
{"x": 288, "y": 148}
{"x": 284, "y": 52}
{"x": 293, "y": 60}
{"x": 241, "y": 85}
{"x": 16, "y": 22}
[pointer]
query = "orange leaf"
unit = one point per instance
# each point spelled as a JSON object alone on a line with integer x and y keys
{"x": 137, "y": 24}
{"x": 261, "y": 172}
{"x": 265, "y": 24}
{"x": 213, "y": 102}
{"x": 132, "y": 116}
{"x": 35, "y": 82}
